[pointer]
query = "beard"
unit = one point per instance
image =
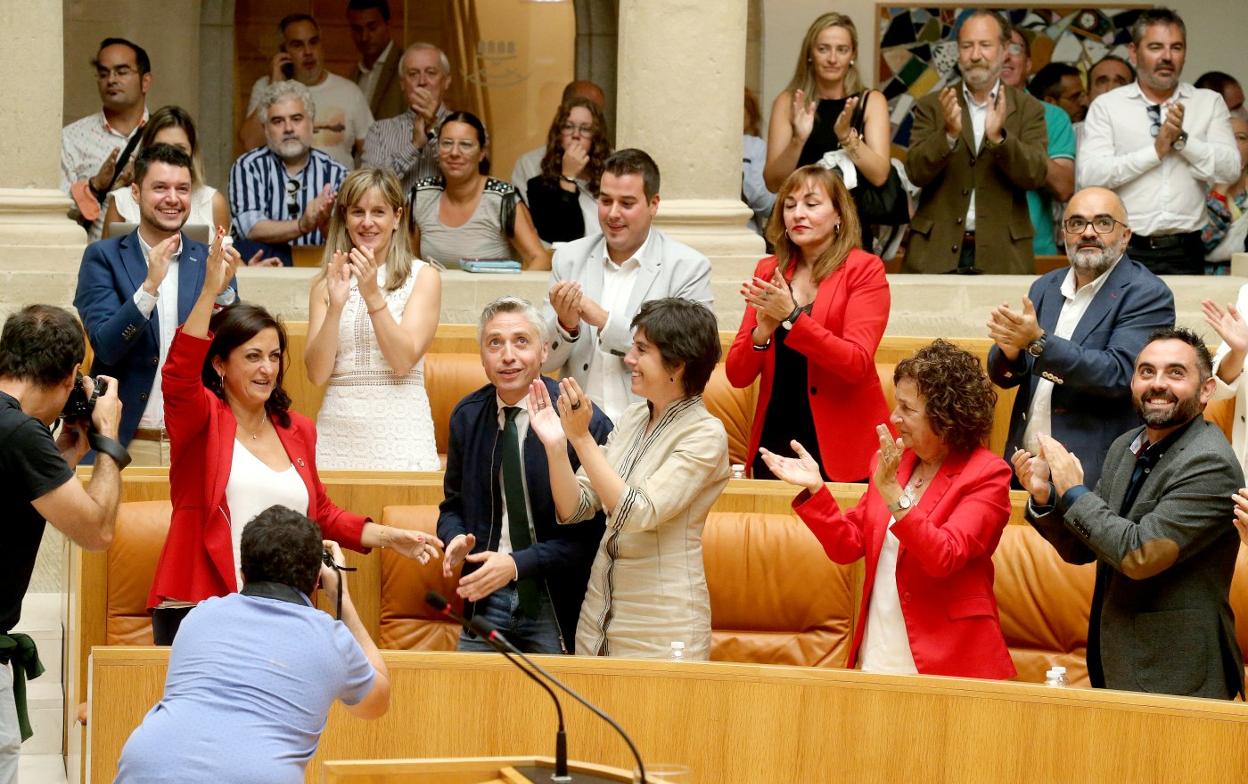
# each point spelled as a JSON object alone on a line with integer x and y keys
{"x": 1180, "y": 411}
{"x": 290, "y": 149}
{"x": 980, "y": 74}
{"x": 1093, "y": 257}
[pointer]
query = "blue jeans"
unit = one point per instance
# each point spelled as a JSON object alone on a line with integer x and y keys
{"x": 531, "y": 635}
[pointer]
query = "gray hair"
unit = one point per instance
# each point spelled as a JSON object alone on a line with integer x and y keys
{"x": 418, "y": 46}
{"x": 276, "y": 93}
{"x": 510, "y": 304}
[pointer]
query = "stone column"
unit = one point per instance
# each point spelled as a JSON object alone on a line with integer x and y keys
{"x": 39, "y": 246}
{"x": 681, "y": 77}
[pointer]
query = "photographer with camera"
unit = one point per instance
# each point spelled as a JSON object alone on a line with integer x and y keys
{"x": 252, "y": 675}
{"x": 41, "y": 348}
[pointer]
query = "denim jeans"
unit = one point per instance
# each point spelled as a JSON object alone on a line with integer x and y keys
{"x": 10, "y": 734}
{"x": 502, "y": 609}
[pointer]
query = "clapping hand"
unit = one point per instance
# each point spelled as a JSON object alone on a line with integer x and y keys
{"x": 575, "y": 409}
{"x": 887, "y": 460}
{"x": 1229, "y": 325}
{"x": 158, "y": 262}
{"x": 1033, "y": 475}
{"x": 338, "y": 279}
{"x": 565, "y": 298}
{"x": 843, "y": 120}
{"x": 952, "y": 110}
{"x": 803, "y": 115}
{"x": 1241, "y": 513}
{"x": 222, "y": 263}
{"x": 1013, "y": 332}
{"x": 258, "y": 260}
{"x": 543, "y": 420}
{"x": 1170, "y": 130}
{"x": 771, "y": 299}
{"x": 994, "y": 123}
{"x": 363, "y": 265}
{"x": 800, "y": 471}
{"x": 1065, "y": 468}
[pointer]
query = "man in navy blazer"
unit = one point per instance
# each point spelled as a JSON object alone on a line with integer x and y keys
{"x": 522, "y": 571}
{"x": 1071, "y": 351}
{"x": 134, "y": 291}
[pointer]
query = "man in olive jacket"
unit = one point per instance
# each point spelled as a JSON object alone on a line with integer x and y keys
{"x": 976, "y": 148}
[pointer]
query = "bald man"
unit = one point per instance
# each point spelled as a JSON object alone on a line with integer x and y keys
{"x": 529, "y": 165}
{"x": 1071, "y": 347}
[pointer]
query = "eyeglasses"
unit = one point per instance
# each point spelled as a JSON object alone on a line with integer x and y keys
{"x": 121, "y": 72}
{"x": 292, "y": 200}
{"x": 1154, "y": 116}
{"x": 571, "y": 128}
{"x": 1101, "y": 224}
{"x": 466, "y": 146}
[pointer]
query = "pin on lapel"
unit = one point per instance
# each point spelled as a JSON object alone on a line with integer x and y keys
{"x": 299, "y": 462}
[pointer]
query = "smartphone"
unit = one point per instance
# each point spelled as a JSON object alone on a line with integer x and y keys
{"x": 288, "y": 69}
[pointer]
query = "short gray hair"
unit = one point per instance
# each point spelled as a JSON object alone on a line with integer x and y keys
{"x": 420, "y": 45}
{"x": 276, "y": 93}
{"x": 510, "y": 304}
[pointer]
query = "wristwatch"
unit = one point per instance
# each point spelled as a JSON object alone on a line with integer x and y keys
{"x": 902, "y": 503}
{"x": 792, "y": 317}
{"x": 1036, "y": 347}
{"x": 1180, "y": 142}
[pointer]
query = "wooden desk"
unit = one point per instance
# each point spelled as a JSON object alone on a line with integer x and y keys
{"x": 748, "y": 723}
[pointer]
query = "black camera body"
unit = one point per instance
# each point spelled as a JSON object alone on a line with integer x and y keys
{"x": 79, "y": 406}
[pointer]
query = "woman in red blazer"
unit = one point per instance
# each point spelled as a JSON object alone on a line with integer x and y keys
{"x": 814, "y": 316}
{"x": 223, "y": 390}
{"x": 927, "y": 525}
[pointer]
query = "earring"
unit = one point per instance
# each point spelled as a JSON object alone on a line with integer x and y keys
{"x": 836, "y": 230}
{"x": 671, "y": 379}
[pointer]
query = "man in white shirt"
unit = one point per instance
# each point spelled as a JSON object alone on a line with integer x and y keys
{"x": 134, "y": 291}
{"x": 529, "y": 165}
{"x": 91, "y": 148}
{"x": 377, "y": 74}
{"x": 598, "y": 283}
{"x": 1160, "y": 143}
{"x": 976, "y": 148}
{"x": 342, "y": 113}
{"x": 1071, "y": 349}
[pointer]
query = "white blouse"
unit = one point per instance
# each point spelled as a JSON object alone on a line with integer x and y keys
{"x": 254, "y": 487}
{"x": 885, "y": 643}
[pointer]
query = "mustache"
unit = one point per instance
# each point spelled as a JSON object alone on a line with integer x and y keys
{"x": 1164, "y": 395}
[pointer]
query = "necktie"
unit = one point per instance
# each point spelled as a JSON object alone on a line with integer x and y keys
{"x": 517, "y": 510}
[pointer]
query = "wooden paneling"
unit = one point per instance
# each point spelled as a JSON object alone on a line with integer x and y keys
{"x": 750, "y": 723}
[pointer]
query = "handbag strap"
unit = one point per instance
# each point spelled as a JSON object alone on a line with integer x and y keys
{"x": 858, "y": 121}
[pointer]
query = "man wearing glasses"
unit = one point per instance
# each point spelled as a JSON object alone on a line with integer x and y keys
{"x": 282, "y": 194}
{"x": 91, "y": 148}
{"x": 1071, "y": 349}
{"x": 1160, "y": 143}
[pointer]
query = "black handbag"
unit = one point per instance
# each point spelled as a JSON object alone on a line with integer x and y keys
{"x": 878, "y": 205}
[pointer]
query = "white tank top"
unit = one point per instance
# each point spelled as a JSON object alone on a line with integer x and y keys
{"x": 254, "y": 487}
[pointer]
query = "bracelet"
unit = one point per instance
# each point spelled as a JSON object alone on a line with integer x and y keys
{"x": 566, "y": 178}
{"x": 762, "y": 346}
{"x": 379, "y": 308}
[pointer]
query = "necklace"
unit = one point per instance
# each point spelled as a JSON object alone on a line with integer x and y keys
{"x": 255, "y": 435}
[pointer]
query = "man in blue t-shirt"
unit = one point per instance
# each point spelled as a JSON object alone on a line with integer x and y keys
{"x": 41, "y": 348}
{"x": 252, "y": 675}
{"x": 1059, "y": 181}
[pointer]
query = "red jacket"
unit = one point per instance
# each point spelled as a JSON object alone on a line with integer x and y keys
{"x": 839, "y": 339}
{"x": 198, "y": 558}
{"x": 944, "y": 562}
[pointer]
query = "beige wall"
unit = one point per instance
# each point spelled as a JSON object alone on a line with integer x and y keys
{"x": 1215, "y": 30}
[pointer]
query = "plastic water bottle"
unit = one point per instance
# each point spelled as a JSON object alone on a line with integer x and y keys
{"x": 738, "y": 471}
{"x": 678, "y": 651}
{"x": 1056, "y": 676}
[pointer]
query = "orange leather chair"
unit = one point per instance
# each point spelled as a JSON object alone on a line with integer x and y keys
{"x": 406, "y": 622}
{"x": 448, "y": 379}
{"x": 138, "y": 538}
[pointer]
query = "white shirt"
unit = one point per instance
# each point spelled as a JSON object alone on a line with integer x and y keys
{"x": 608, "y": 375}
{"x": 522, "y": 431}
{"x": 885, "y": 642}
{"x": 85, "y": 144}
{"x": 165, "y": 304}
{"x": 1040, "y": 417}
{"x": 366, "y": 78}
{"x": 254, "y": 487}
{"x": 1162, "y": 196}
{"x": 979, "y": 120}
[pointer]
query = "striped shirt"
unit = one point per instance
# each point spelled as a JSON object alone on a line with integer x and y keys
{"x": 389, "y": 146}
{"x": 258, "y": 190}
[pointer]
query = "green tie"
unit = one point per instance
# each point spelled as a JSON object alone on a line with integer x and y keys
{"x": 517, "y": 511}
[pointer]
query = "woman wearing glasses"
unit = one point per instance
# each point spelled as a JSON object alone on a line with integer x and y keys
{"x": 466, "y": 214}
{"x": 563, "y": 196}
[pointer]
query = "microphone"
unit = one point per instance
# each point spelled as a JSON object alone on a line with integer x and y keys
{"x": 487, "y": 631}
{"x": 482, "y": 629}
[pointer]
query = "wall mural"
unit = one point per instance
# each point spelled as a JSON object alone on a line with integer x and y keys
{"x": 918, "y": 48}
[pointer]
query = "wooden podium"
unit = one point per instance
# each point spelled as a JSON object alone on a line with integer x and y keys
{"x": 469, "y": 770}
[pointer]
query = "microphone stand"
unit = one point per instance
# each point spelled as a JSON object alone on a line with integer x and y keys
{"x": 439, "y": 603}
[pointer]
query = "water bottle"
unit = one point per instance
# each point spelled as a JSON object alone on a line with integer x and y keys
{"x": 738, "y": 471}
{"x": 1056, "y": 676}
{"x": 678, "y": 651}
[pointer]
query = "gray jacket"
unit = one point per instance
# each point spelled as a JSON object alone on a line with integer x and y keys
{"x": 1160, "y": 620}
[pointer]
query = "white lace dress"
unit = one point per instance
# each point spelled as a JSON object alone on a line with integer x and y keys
{"x": 372, "y": 419}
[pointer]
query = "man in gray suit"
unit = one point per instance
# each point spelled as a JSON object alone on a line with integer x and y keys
{"x": 1158, "y": 526}
{"x": 599, "y": 283}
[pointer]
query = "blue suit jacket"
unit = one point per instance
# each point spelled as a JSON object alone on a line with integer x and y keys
{"x": 1091, "y": 372}
{"x": 561, "y": 555}
{"x": 126, "y": 345}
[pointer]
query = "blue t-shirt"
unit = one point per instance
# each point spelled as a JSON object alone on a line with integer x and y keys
{"x": 249, "y": 686}
{"x": 1040, "y": 203}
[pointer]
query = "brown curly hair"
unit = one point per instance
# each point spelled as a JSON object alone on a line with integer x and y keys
{"x": 599, "y": 151}
{"x": 958, "y": 395}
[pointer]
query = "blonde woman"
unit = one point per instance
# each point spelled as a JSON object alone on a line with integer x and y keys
{"x": 372, "y": 314}
{"x": 814, "y": 114}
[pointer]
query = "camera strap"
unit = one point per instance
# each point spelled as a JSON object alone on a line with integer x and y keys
{"x": 107, "y": 446}
{"x": 329, "y": 561}
{"x": 279, "y": 591}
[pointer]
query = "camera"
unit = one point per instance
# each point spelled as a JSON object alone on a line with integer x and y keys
{"x": 327, "y": 558}
{"x": 78, "y": 406}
